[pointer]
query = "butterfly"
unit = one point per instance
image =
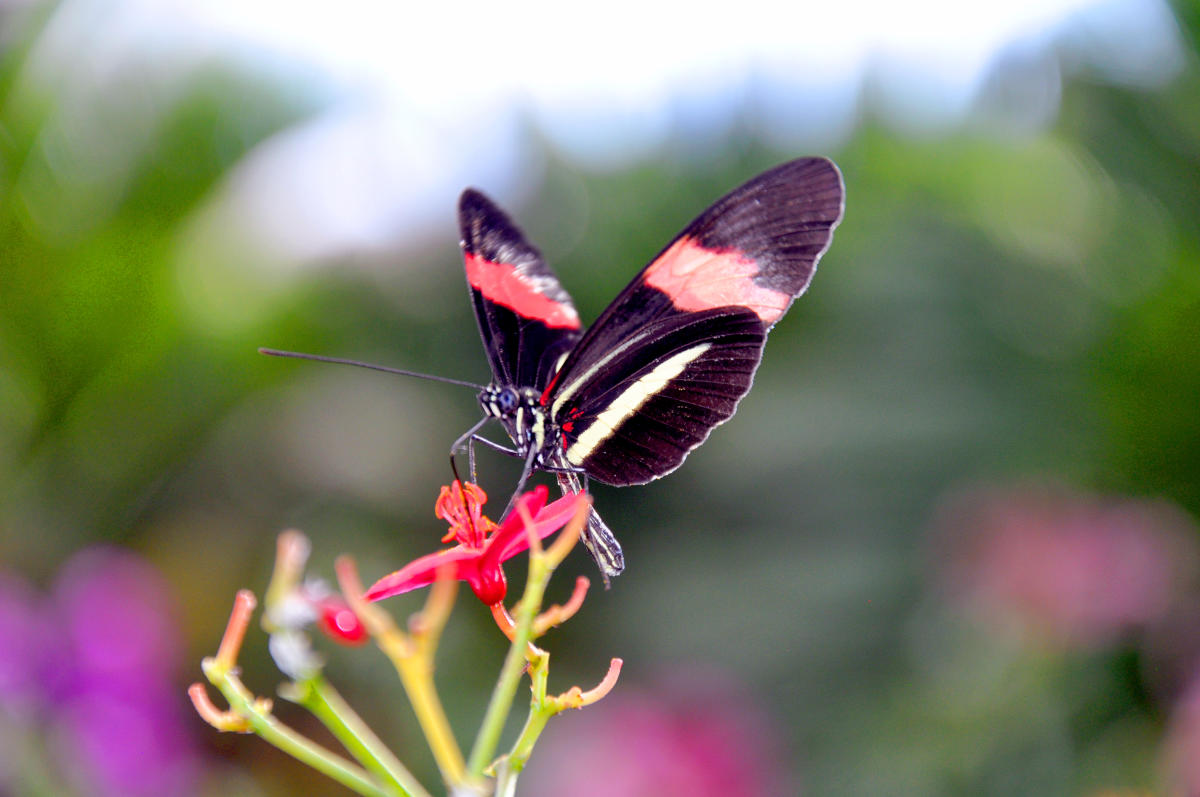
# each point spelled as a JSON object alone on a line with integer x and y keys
{"x": 624, "y": 401}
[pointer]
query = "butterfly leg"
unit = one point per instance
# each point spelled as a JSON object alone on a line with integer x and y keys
{"x": 525, "y": 474}
{"x": 465, "y": 441}
{"x": 478, "y": 438}
{"x": 597, "y": 536}
{"x": 471, "y": 460}
{"x": 512, "y": 452}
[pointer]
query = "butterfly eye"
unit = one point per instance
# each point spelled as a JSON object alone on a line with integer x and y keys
{"x": 508, "y": 400}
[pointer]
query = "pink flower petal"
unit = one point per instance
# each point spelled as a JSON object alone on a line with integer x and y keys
{"x": 422, "y": 572}
{"x": 481, "y": 568}
{"x": 546, "y": 521}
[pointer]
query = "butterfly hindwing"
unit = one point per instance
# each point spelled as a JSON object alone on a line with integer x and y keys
{"x": 657, "y": 398}
{"x": 674, "y": 353}
{"x": 526, "y": 319}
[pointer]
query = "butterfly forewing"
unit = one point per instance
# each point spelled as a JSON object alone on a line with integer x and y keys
{"x": 782, "y": 221}
{"x": 674, "y": 353}
{"x": 526, "y": 319}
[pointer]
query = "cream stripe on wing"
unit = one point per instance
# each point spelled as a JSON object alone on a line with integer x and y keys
{"x": 570, "y": 390}
{"x": 631, "y": 401}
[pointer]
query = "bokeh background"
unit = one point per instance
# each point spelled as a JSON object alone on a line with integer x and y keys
{"x": 947, "y": 546}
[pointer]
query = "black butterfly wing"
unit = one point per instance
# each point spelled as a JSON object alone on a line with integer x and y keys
{"x": 638, "y": 415}
{"x": 674, "y": 353}
{"x": 526, "y": 319}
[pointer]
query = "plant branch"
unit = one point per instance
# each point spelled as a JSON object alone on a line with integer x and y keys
{"x": 541, "y": 566}
{"x": 412, "y": 656}
{"x": 318, "y": 696}
{"x": 249, "y": 713}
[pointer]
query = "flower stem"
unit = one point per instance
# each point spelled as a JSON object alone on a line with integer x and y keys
{"x": 318, "y": 696}
{"x": 417, "y": 679}
{"x": 259, "y": 718}
{"x": 506, "y": 779}
{"x": 539, "y": 714}
{"x": 542, "y": 707}
{"x": 542, "y": 563}
{"x": 412, "y": 656}
{"x": 510, "y": 673}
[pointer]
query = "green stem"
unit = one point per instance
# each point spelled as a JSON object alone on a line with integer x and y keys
{"x": 506, "y": 779}
{"x": 325, "y": 761}
{"x": 510, "y": 674}
{"x": 539, "y": 714}
{"x": 534, "y": 725}
{"x": 318, "y": 696}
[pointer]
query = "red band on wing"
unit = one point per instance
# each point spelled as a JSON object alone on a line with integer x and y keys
{"x": 502, "y": 284}
{"x": 697, "y": 278}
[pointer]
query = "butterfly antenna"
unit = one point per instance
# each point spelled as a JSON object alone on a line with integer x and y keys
{"x": 372, "y": 366}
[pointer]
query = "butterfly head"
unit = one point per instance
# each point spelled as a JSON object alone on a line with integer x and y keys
{"x": 499, "y": 401}
{"x": 520, "y": 412}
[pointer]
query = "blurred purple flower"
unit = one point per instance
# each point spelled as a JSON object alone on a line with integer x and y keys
{"x": 698, "y": 737}
{"x": 97, "y": 657}
{"x": 115, "y": 610}
{"x": 23, "y": 641}
{"x": 1076, "y": 568}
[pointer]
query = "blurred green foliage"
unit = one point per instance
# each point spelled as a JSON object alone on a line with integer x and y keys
{"x": 995, "y": 308}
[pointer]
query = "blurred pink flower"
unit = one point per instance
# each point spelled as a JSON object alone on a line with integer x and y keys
{"x": 698, "y": 737}
{"x": 99, "y": 659}
{"x": 24, "y": 641}
{"x": 1076, "y": 568}
{"x": 121, "y": 711}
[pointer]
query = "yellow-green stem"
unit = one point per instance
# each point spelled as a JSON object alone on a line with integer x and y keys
{"x": 510, "y": 673}
{"x": 413, "y": 660}
{"x": 319, "y": 697}
{"x": 299, "y": 747}
{"x": 539, "y": 714}
{"x": 417, "y": 679}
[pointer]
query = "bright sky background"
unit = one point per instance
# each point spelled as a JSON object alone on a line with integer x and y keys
{"x": 425, "y": 98}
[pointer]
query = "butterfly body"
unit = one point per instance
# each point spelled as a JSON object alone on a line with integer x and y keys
{"x": 626, "y": 400}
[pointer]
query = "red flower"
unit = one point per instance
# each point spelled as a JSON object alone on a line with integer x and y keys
{"x": 482, "y": 545}
{"x": 339, "y": 622}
